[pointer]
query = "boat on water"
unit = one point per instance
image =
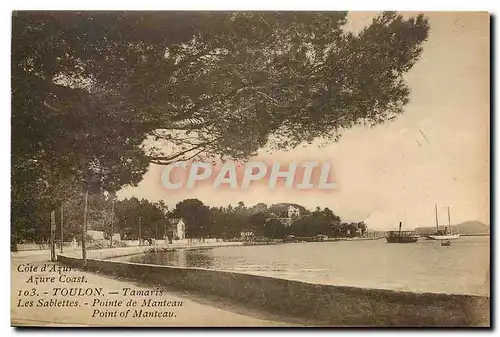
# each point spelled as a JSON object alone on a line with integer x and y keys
{"x": 401, "y": 236}
{"x": 446, "y": 243}
{"x": 443, "y": 234}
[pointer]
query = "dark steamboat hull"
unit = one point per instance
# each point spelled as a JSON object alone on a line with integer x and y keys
{"x": 409, "y": 239}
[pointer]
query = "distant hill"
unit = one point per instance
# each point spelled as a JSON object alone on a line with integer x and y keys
{"x": 467, "y": 227}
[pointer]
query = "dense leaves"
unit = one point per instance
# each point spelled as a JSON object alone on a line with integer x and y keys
{"x": 134, "y": 216}
{"x": 97, "y": 96}
{"x": 196, "y": 217}
{"x": 261, "y": 221}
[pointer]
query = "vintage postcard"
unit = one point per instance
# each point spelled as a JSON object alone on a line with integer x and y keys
{"x": 259, "y": 168}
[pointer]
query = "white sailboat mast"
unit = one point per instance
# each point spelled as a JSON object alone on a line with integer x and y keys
{"x": 437, "y": 221}
{"x": 449, "y": 218}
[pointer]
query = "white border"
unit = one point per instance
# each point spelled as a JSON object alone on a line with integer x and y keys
{"x": 5, "y": 22}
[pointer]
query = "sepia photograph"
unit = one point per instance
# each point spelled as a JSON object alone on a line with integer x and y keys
{"x": 250, "y": 169}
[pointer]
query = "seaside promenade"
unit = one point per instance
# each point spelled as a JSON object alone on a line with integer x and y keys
{"x": 212, "y": 297}
{"x": 193, "y": 312}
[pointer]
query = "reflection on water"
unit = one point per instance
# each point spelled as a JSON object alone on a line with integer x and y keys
{"x": 425, "y": 266}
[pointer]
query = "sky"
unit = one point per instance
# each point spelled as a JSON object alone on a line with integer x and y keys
{"x": 436, "y": 152}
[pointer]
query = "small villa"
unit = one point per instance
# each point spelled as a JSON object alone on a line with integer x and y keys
{"x": 176, "y": 229}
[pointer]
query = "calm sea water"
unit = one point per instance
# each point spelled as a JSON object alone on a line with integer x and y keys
{"x": 426, "y": 266}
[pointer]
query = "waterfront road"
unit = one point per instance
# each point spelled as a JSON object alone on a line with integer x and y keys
{"x": 35, "y": 304}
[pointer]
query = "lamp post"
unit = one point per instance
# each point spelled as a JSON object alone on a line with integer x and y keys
{"x": 53, "y": 236}
{"x": 112, "y": 221}
{"x": 156, "y": 231}
{"x": 62, "y": 227}
{"x": 140, "y": 218}
{"x": 84, "y": 228}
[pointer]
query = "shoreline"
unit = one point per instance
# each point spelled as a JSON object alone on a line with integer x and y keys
{"x": 112, "y": 252}
{"x": 325, "y": 304}
{"x": 115, "y": 252}
{"x": 109, "y": 253}
{"x": 408, "y": 291}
